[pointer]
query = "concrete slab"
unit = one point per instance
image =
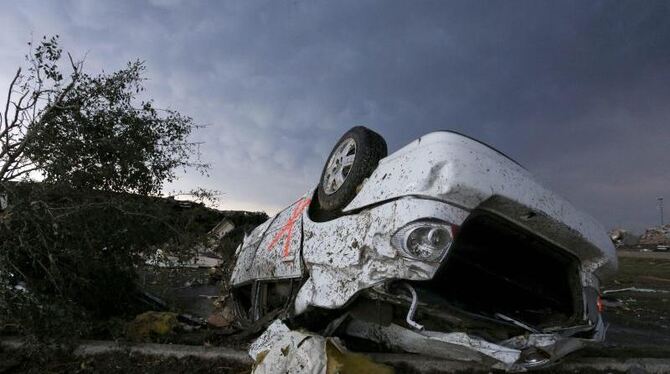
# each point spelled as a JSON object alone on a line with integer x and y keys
{"x": 402, "y": 362}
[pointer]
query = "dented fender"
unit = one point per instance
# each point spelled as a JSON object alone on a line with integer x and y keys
{"x": 354, "y": 252}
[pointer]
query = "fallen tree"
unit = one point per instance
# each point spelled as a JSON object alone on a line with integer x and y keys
{"x": 68, "y": 257}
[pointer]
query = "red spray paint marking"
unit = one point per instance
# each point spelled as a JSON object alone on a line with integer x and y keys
{"x": 287, "y": 229}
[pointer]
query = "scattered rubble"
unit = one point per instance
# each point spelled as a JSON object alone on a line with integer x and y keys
{"x": 208, "y": 260}
{"x": 223, "y": 316}
{"x": 194, "y": 286}
{"x": 654, "y": 236}
{"x": 280, "y": 350}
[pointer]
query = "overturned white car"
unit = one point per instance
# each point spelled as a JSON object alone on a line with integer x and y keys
{"x": 446, "y": 248}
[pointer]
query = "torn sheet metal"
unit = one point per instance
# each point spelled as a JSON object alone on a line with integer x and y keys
{"x": 280, "y": 350}
{"x": 515, "y": 354}
{"x": 452, "y": 346}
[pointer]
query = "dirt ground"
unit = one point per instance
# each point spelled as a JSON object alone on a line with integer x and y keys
{"x": 10, "y": 362}
{"x": 642, "y": 320}
{"x": 639, "y": 327}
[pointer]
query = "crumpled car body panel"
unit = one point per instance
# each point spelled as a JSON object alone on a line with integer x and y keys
{"x": 441, "y": 176}
{"x": 456, "y": 169}
{"x": 272, "y": 250}
{"x": 354, "y": 252}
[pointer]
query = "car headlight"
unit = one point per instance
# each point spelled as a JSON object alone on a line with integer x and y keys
{"x": 424, "y": 240}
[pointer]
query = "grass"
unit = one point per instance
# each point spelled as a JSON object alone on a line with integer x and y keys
{"x": 640, "y": 326}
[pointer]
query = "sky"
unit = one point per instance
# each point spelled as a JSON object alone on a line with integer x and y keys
{"x": 576, "y": 91}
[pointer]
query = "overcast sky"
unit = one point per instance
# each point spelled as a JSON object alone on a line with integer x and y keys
{"x": 578, "y": 92}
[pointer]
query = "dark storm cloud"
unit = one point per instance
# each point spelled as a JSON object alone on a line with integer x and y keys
{"x": 576, "y": 91}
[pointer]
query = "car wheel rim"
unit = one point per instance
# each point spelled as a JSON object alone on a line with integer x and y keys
{"x": 339, "y": 166}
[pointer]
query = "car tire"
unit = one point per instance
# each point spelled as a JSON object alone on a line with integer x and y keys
{"x": 345, "y": 170}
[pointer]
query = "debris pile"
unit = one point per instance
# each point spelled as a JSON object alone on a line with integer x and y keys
{"x": 281, "y": 350}
{"x": 659, "y": 235}
{"x": 195, "y": 286}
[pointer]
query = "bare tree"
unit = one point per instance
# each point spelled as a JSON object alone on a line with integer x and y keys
{"x": 33, "y": 96}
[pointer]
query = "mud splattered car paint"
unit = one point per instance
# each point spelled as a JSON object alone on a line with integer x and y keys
{"x": 446, "y": 247}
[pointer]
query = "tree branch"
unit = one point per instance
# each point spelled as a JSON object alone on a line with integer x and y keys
{"x": 13, "y": 175}
{"x": 13, "y": 156}
{"x": 9, "y": 95}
